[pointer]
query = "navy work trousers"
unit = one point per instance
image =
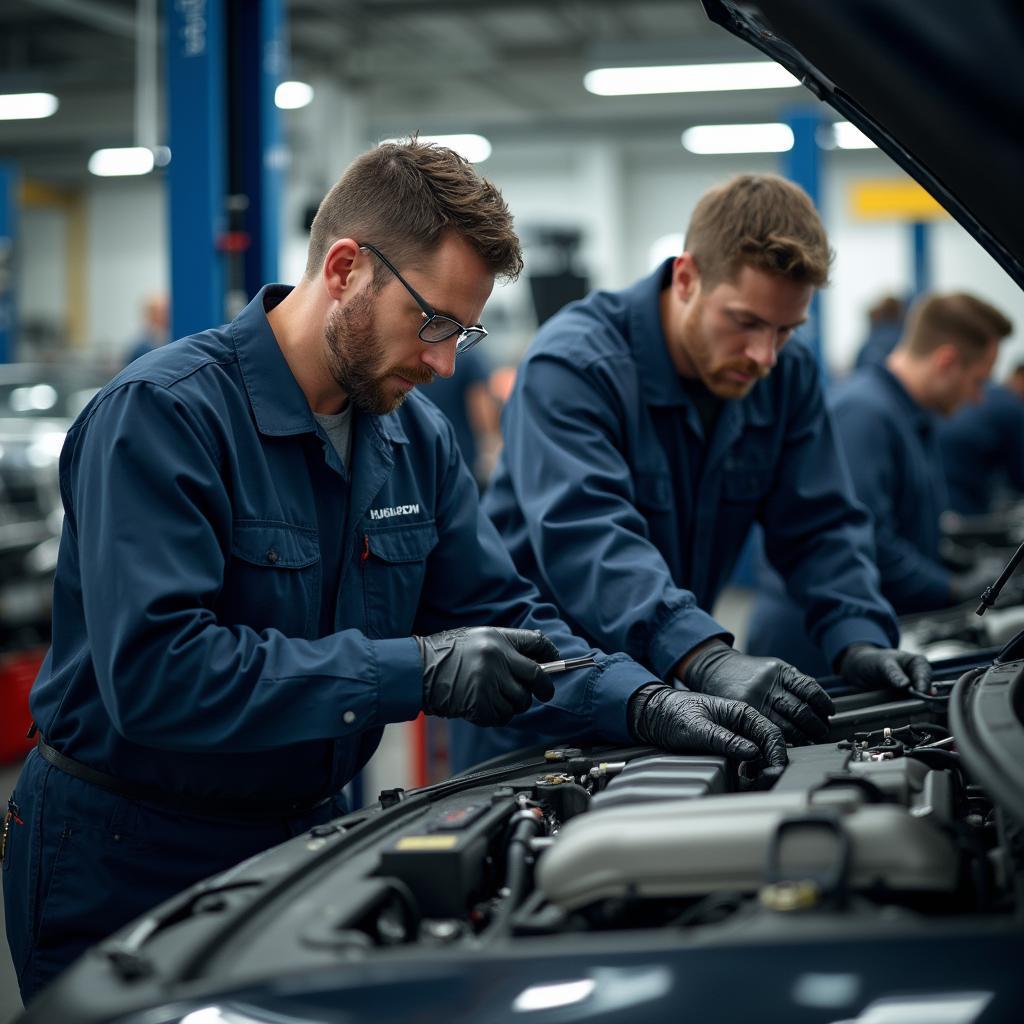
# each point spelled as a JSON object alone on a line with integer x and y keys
{"x": 83, "y": 862}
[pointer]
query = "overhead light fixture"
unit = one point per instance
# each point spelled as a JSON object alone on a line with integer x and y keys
{"x": 475, "y": 148}
{"x": 293, "y": 95}
{"x": 849, "y": 136}
{"x": 112, "y": 163}
{"x": 773, "y": 137}
{"x": 18, "y": 106}
{"x": 643, "y": 81}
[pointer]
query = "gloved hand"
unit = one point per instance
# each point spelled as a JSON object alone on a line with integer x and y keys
{"x": 793, "y": 701}
{"x": 880, "y": 668}
{"x": 484, "y": 674}
{"x": 697, "y": 723}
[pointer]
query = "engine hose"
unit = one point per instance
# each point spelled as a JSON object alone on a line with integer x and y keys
{"x": 519, "y": 860}
{"x": 938, "y": 731}
{"x": 944, "y": 759}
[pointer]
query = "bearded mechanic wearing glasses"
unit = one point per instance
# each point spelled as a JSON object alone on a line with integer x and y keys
{"x": 267, "y": 557}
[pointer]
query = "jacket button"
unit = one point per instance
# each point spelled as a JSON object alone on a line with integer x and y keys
{"x": 349, "y": 717}
{"x": 272, "y": 556}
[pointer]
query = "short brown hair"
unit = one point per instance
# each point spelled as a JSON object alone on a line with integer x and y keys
{"x": 956, "y": 318}
{"x": 404, "y": 197}
{"x": 760, "y": 221}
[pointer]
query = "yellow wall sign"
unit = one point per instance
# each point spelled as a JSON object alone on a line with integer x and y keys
{"x": 893, "y": 199}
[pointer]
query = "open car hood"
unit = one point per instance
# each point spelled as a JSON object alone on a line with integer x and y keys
{"x": 939, "y": 87}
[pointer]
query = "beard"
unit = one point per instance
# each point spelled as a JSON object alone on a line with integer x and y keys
{"x": 713, "y": 373}
{"x": 357, "y": 360}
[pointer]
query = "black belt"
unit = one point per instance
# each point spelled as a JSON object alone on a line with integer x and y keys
{"x": 197, "y": 806}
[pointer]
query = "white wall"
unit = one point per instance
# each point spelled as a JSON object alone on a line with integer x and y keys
{"x": 128, "y": 247}
{"x": 623, "y": 196}
{"x": 42, "y": 268}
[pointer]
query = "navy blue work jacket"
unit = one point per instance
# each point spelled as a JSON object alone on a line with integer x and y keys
{"x": 892, "y": 450}
{"x": 983, "y": 450}
{"x": 209, "y": 523}
{"x": 612, "y": 500}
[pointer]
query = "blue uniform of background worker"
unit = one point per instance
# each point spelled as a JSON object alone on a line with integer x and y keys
{"x": 650, "y": 428}
{"x": 887, "y": 419}
{"x": 983, "y": 448}
{"x": 885, "y": 325}
{"x": 265, "y": 560}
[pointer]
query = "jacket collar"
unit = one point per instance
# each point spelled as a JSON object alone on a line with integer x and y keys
{"x": 278, "y": 403}
{"x": 660, "y": 383}
{"x": 923, "y": 420}
{"x": 659, "y": 378}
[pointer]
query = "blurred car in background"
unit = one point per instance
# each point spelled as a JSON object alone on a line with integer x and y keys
{"x": 38, "y": 403}
{"x": 982, "y": 540}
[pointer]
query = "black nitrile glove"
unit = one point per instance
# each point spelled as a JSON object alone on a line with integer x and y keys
{"x": 697, "y": 723}
{"x": 881, "y": 668}
{"x": 484, "y": 674}
{"x": 793, "y": 701}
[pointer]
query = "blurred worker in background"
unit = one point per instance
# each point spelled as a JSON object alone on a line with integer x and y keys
{"x": 885, "y": 325}
{"x": 983, "y": 448}
{"x": 465, "y": 398}
{"x": 648, "y": 430}
{"x": 272, "y": 548}
{"x": 887, "y": 418}
{"x": 155, "y": 325}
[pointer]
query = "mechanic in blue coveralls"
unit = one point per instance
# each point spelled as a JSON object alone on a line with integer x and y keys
{"x": 887, "y": 418}
{"x": 650, "y": 428}
{"x": 267, "y": 557}
{"x": 983, "y": 448}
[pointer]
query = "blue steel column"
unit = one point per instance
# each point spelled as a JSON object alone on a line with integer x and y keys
{"x": 197, "y": 136}
{"x": 9, "y": 182}
{"x": 920, "y": 241}
{"x": 258, "y": 57}
{"x": 802, "y": 164}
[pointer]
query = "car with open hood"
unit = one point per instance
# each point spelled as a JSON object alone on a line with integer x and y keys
{"x": 878, "y": 878}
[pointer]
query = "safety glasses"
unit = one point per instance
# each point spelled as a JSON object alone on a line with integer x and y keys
{"x": 436, "y": 327}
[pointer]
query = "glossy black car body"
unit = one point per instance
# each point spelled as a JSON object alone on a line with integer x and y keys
{"x": 877, "y": 878}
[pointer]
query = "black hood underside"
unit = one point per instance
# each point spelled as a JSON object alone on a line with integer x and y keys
{"x": 939, "y": 86}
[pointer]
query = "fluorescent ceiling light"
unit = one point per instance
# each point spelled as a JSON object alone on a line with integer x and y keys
{"x": 17, "y": 106}
{"x": 475, "y": 148}
{"x": 110, "y": 163}
{"x": 642, "y": 81}
{"x": 774, "y": 137}
{"x": 849, "y": 136}
{"x": 293, "y": 95}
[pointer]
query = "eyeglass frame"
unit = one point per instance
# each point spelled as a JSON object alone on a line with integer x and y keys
{"x": 466, "y": 337}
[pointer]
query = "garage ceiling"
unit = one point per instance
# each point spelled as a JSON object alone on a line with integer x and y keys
{"x": 508, "y": 68}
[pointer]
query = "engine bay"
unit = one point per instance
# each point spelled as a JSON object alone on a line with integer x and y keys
{"x": 895, "y": 846}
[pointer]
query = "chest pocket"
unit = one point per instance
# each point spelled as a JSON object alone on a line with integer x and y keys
{"x": 273, "y": 578}
{"x": 393, "y": 568}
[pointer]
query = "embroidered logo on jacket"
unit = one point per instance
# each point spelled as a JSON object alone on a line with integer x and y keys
{"x": 394, "y": 510}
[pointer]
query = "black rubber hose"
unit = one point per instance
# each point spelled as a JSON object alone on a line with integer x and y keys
{"x": 517, "y": 876}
